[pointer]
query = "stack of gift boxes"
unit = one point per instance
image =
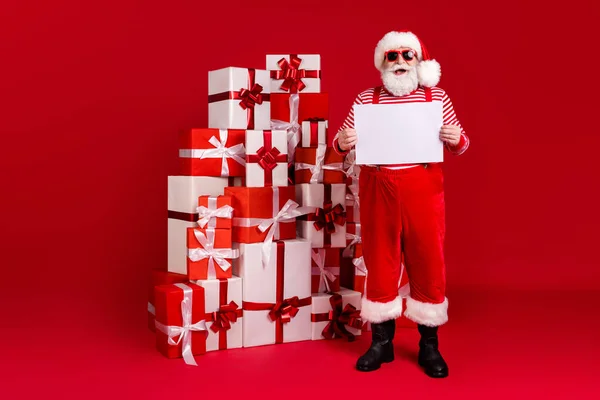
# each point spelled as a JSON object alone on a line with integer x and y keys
{"x": 260, "y": 220}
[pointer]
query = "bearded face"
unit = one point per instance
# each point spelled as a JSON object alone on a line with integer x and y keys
{"x": 400, "y": 79}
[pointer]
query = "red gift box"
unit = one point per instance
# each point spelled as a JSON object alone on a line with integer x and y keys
{"x": 213, "y": 152}
{"x": 214, "y": 212}
{"x": 310, "y": 105}
{"x": 288, "y": 112}
{"x": 209, "y": 253}
{"x": 319, "y": 165}
{"x": 160, "y": 277}
{"x": 180, "y": 321}
{"x": 325, "y": 270}
{"x": 262, "y": 205}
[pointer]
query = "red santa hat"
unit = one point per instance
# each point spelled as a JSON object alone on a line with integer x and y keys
{"x": 428, "y": 70}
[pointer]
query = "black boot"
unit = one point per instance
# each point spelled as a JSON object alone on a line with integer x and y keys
{"x": 429, "y": 355}
{"x": 381, "y": 350}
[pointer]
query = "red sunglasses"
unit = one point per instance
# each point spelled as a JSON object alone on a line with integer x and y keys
{"x": 392, "y": 55}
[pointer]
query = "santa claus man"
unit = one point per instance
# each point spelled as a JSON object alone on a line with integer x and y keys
{"x": 402, "y": 210}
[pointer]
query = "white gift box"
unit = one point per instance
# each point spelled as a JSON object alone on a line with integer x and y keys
{"x": 183, "y": 192}
{"x": 313, "y": 195}
{"x": 321, "y": 304}
{"x": 266, "y": 158}
{"x": 319, "y": 136}
{"x": 265, "y": 286}
{"x": 234, "y": 100}
{"x": 303, "y": 70}
{"x": 213, "y": 303}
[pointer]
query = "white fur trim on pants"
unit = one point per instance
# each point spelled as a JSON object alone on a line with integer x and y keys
{"x": 376, "y": 313}
{"x": 427, "y": 314}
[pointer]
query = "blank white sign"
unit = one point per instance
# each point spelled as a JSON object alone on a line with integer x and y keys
{"x": 398, "y": 133}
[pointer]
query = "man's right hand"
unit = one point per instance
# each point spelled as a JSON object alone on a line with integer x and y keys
{"x": 347, "y": 139}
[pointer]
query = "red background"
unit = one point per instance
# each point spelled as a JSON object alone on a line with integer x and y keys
{"x": 93, "y": 95}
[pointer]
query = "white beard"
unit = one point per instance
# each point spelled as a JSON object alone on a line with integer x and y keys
{"x": 400, "y": 85}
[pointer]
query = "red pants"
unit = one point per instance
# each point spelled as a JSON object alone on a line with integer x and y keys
{"x": 402, "y": 217}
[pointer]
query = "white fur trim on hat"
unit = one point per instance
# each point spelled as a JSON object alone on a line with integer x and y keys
{"x": 376, "y": 312}
{"x": 428, "y": 314}
{"x": 429, "y": 73}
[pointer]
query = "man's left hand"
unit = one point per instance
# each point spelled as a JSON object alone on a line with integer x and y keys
{"x": 450, "y": 134}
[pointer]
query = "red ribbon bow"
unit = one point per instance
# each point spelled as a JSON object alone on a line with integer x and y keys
{"x": 268, "y": 159}
{"x": 339, "y": 318}
{"x": 328, "y": 216}
{"x": 285, "y": 310}
{"x": 292, "y": 74}
{"x": 223, "y": 318}
{"x": 251, "y": 97}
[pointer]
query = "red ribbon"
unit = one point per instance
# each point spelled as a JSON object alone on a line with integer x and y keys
{"x": 188, "y": 217}
{"x": 225, "y": 316}
{"x": 328, "y": 216}
{"x": 283, "y": 310}
{"x": 248, "y": 97}
{"x": 267, "y": 157}
{"x": 292, "y": 74}
{"x": 338, "y": 319}
{"x": 314, "y": 131}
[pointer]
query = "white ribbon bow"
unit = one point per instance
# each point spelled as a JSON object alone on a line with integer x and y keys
{"x": 184, "y": 332}
{"x": 208, "y": 251}
{"x": 289, "y": 211}
{"x": 327, "y": 274}
{"x": 236, "y": 152}
{"x": 292, "y": 127}
{"x": 286, "y": 214}
{"x": 209, "y": 214}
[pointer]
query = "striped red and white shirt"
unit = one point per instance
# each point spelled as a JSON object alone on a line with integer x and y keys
{"x": 437, "y": 94}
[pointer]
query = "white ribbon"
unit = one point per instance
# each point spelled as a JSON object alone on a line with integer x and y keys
{"x": 208, "y": 215}
{"x": 237, "y": 152}
{"x": 287, "y": 214}
{"x": 350, "y": 167}
{"x": 292, "y": 127}
{"x": 361, "y": 268}
{"x": 354, "y": 238}
{"x": 151, "y": 309}
{"x": 352, "y": 199}
{"x": 184, "y": 332}
{"x": 208, "y": 251}
{"x": 319, "y": 166}
{"x": 327, "y": 274}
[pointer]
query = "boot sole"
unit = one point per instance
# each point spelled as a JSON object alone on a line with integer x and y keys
{"x": 443, "y": 374}
{"x": 384, "y": 361}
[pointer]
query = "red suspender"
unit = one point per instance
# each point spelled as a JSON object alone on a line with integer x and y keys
{"x": 376, "y": 94}
{"x": 428, "y": 94}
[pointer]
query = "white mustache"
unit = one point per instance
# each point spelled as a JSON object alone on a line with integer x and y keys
{"x": 395, "y": 68}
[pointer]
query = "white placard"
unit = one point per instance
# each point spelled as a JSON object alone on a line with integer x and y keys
{"x": 398, "y": 133}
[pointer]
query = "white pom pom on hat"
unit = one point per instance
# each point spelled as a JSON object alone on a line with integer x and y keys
{"x": 428, "y": 70}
